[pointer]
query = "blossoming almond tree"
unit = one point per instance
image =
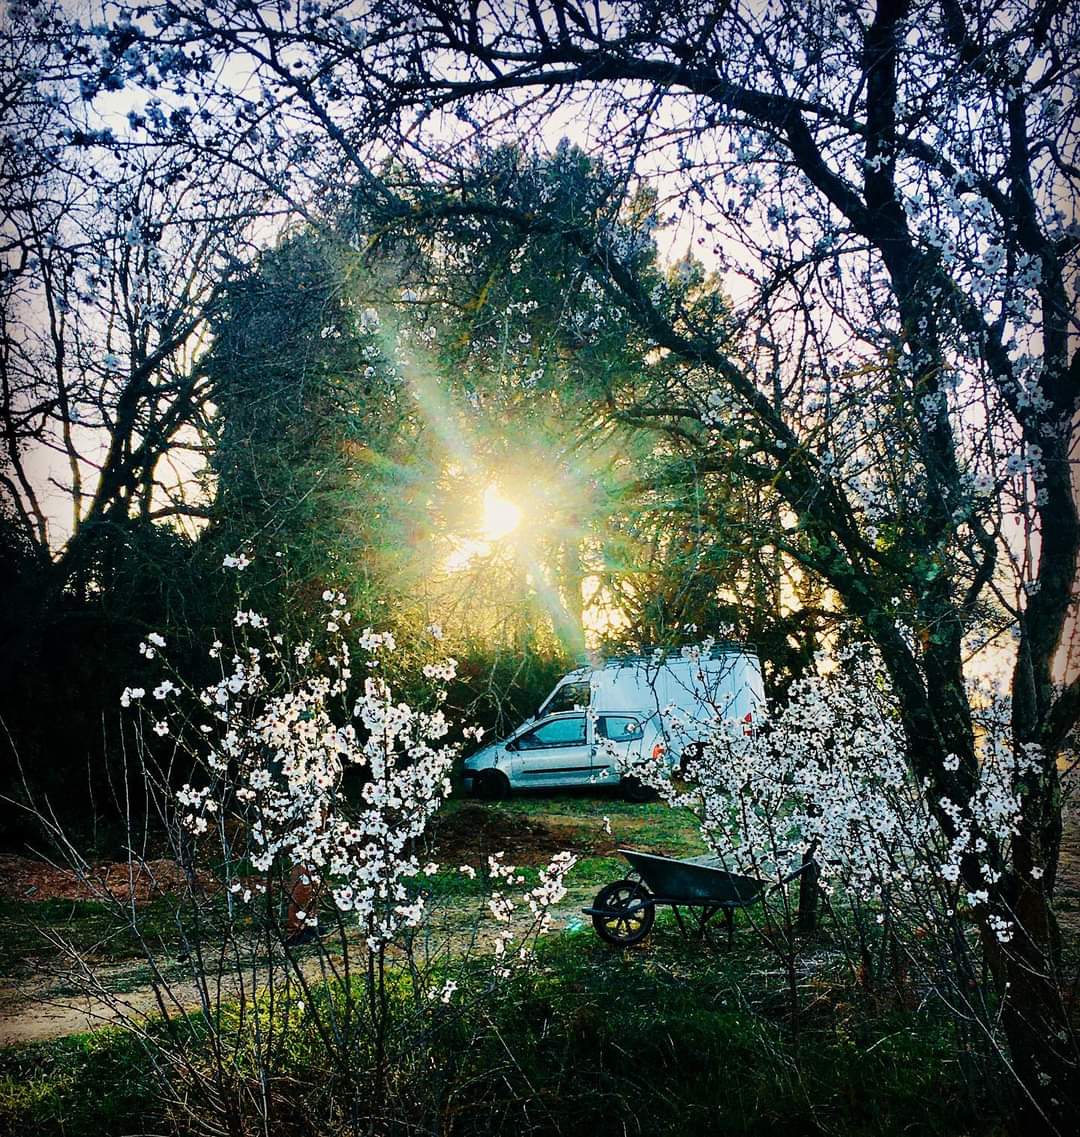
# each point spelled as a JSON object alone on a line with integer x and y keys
{"x": 261, "y": 818}
{"x": 274, "y": 753}
{"x": 828, "y": 775}
{"x": 828, "y": 778}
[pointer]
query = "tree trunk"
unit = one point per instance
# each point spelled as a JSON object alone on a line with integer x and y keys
{"x": 809, "y": 894}
{"x": 1035, "y": 1019}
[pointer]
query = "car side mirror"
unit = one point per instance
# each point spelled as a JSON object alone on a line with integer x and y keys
{"x": 511, "y": 746}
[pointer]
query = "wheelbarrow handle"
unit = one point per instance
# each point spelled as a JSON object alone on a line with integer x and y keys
{"x": 788, "y": 877}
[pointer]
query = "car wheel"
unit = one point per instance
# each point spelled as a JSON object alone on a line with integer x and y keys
{"x": 492, "y": 785}
{"x": 636, "y": 791}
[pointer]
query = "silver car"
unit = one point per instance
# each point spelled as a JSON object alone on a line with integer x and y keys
{"x": 568, "y": 748}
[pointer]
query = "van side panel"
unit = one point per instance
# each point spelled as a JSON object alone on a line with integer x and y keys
{"x": 724, "y": 685}
{"x": 688, "y": 694}
{"x": 626, "y": 687}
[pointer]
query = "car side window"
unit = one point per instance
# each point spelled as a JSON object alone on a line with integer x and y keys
{"x": 570, "y": 697}
{"x": 619, "y": 728}
{"x": 568, "y": 731}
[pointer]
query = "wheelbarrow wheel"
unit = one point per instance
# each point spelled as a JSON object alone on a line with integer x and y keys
{"x": 628, "y": 910}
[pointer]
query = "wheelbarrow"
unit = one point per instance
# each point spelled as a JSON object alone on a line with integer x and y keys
{"x": 624, "y": 911}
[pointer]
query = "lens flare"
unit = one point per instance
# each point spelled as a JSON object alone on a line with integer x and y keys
{"x": 501, "y": 516}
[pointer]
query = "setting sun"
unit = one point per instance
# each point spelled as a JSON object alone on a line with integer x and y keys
{"x": 501, "y": 517}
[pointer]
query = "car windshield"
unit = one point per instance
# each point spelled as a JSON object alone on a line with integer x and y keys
{"x": 571, "y": 697}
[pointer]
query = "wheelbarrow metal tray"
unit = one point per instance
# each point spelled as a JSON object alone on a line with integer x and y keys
{"x": 695, "y": 881}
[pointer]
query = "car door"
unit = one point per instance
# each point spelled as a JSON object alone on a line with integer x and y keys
{"x": 619, "y": 736}
{"x": 552, "y": 752}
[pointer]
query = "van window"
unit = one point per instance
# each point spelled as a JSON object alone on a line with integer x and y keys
{"x": 619, "y": 728}
{"x": 570, "y": 697}
{"x": 568, "y": 731}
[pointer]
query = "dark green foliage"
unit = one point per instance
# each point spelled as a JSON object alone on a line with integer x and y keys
{"x": 309, "y": 414}
{"x": 68, "y": 650}
{"x": 499, "y": 689}
{"x": 312, "y": 420}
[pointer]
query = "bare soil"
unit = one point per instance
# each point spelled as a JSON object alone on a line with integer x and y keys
{"x": 23, "y": 878}
{"x": 474, "y": 832}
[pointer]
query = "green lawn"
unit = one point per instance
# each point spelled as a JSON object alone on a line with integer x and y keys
{"x": 28, "y": 929}
{"x": 88, "y": 1085}
{"x": 668, "y": 1040}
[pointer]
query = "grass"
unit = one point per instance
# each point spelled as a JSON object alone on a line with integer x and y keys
{"x": 90, "y": 1085}
{"x": 650, "y": 826}
{"x": 672, "y": 1041}
{"x": 665, "y": 1041}
{"x": 91, "y": 926}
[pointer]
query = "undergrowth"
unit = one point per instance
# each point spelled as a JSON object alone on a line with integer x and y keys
{"x": 668, "y": 1040}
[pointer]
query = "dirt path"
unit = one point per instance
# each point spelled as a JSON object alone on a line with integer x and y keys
{"x": 64, "y": 1002}
{"x": 55, "y": 1004}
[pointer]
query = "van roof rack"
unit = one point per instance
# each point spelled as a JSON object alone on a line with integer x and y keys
{"x": 646, "y": 655}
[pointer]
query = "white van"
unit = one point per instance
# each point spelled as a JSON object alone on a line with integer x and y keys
{"x": 631, "y": 709}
